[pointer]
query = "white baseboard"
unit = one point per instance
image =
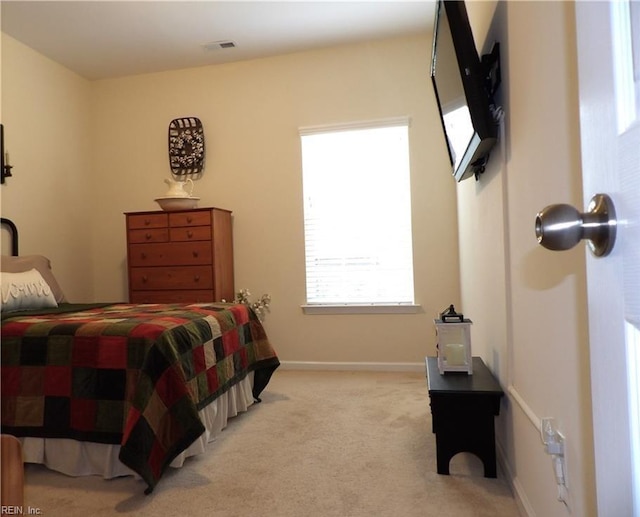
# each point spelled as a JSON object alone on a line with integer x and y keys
{"x": 359, "y": 367}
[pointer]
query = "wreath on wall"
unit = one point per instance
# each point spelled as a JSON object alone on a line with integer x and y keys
{"x": 186, "y": 146}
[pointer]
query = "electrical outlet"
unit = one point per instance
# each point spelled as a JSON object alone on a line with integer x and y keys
{"x": 551, "y": 437}
{"x": 548, "y": 429}
{"x": 554, "y": 446}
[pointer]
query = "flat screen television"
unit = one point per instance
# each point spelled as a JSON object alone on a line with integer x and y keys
{"x": 464, "y": 86}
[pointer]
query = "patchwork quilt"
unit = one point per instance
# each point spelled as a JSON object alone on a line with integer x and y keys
{"x": 134, "y": 375}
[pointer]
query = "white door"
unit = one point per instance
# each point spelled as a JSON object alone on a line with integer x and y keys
{"x": 609, "y": 79}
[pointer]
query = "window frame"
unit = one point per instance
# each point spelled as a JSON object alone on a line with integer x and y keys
{"x": 359, "y": 308}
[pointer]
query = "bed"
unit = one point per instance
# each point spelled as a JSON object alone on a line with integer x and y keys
{"x": 117, "y": 389}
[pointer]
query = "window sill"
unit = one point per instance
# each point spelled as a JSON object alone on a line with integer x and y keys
{"x": 404, "y": 308}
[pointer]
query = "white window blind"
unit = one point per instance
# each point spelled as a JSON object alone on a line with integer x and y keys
{"x": 357, "y": 214}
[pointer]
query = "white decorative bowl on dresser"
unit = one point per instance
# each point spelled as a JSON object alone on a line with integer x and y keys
{"x": 177, "y": 203}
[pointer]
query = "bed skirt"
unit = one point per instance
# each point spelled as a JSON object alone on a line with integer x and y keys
{"x": 75, "y": 458}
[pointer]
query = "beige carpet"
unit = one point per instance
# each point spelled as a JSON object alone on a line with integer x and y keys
{"x": 321, "y": 444}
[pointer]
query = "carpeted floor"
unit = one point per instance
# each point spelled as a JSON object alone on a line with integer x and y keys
{"x": 321, "y": 444}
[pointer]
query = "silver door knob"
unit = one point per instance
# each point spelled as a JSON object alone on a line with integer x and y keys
{"x": 561, "y": 227}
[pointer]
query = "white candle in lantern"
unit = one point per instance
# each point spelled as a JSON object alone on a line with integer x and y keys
{"x": 454, "y": 353}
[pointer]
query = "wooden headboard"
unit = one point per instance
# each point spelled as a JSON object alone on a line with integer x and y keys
{"x": 13, "y": 230}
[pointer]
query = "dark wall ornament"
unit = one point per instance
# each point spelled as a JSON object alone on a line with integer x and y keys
{"x": 5, "y": 168}
{"x": 186, "y": 146}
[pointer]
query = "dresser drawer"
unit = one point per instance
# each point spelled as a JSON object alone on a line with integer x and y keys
{"x": 139, "y": 221}
{"x": 181, "y": 277}
{"x": 190, "y": 296}
{"x": 190, "y": 218}
{"x": 170, "y": 254}
{"x": 149, "y": 235}
{"x": 190, "y": 233}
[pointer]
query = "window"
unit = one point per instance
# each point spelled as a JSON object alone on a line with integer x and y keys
{"x": 357, "y": 215}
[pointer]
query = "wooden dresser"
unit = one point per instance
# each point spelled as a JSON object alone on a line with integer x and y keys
{"x": 180, "y": 257}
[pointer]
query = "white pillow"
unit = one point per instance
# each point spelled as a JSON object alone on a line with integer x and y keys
{"x": 39, "y": 262}
{"x": 26, "y": 290}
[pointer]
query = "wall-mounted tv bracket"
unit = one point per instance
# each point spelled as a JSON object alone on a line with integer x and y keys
{"x": 492, "y": 78}
{"x": 479, "y": 166}
{"x": 491, "y": 65}
{"x": 5, "y": 168}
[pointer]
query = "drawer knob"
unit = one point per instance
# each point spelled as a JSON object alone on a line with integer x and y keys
{"x": 189, "y": 234}
{"x": 147, "y": 222}
{"x": 189, "y": 219}
{"x": 195, "y": 254}
{"x": 143, "y": 255}
{"x": 144, "y": 279}
{"x": 196, "y": 278}
{"x": 147, "y": 236}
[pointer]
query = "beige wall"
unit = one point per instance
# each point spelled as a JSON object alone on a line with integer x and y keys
{"x": 251, "y": 112}
{"x": 46, "y": 117}
{"x": 529, "y": 304}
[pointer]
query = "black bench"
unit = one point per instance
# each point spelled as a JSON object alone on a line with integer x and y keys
{"x": 463, "y": 408}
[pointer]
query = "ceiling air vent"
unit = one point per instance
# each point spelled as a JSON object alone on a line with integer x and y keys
{"x": 217, "y": 45}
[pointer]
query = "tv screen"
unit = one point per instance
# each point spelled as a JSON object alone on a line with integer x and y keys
{"x": 464, "y": 87}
